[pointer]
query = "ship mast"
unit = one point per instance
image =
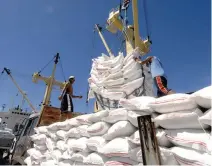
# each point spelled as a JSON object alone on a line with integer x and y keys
{"x": 50, "y": 82}
{"x": 131, "y": 33}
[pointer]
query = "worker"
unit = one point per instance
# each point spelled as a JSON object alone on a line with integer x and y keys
{"x": 67, "y": 95}
{"x": 158, "y": 75}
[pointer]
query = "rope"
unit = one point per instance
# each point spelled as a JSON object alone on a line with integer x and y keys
{"x": 61, "y": 66}
{"x": 146, "y": 18}
{"x": 46, "y": 65}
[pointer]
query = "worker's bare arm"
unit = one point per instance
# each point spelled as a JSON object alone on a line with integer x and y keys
{"x": 64, "y": 89}
{"x": 71, "y": 93}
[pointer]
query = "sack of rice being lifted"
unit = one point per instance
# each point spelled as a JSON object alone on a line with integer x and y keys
{"x": 191, "y": 138}
{"x": 173, "y": 103}
{"x": 180, "y": 120}
{"x": 120, "y": 129}
{"x": 206, "y": 118}
{"x": 185, "y": 156}
{"x": 203, "y": 97}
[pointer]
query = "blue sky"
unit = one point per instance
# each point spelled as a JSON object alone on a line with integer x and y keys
{"x": 32, "y": 32}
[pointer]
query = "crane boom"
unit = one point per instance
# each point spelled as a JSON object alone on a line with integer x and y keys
{"x": 20, "y": 90}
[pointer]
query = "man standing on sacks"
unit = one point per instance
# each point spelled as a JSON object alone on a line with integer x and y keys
{"x": 158, "y": 75}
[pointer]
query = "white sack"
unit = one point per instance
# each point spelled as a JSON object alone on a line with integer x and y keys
{"x": 80, "y": 145}
{"x": 162, "y": 139}
{"x": 50, "y": 144}
{"x": 111, "y": 95}
{"x": 116, "y": 68}
{"x": 160, "y": 135}
{"x": 49, "y": 162}
{"x": 95, "y": 159}
{"x": 38, "y": 139}
{"x": 52, "y": 134}
{"x": 134, "y": 54}
{"x": 120, "y": 161}
{"x": 41, "y": 130}
{"x": 56, "y": 155}
{"x": 117, "y": 147}
{"x": 61, "y": 145}
{"x": 64, "y": 163}
{"x": 96, "y": 117}
{"x": 116, "y": 115}
{"x": 134, "y": 138}
{"x": 98, "y": 128}
{"x": 84, "y": 119}
{"x": 76, "y": 163}
{"x": 120, "y": 129}
{"x": 28, "y": 161}
{"x": 136, "y": 154}
{"x": 116, "y": 82}
{"x": 114, "y": 76}
{"x": 40, "y": 147}
{"x": 53, "y": 127}
{"x": 73, "y": 122}
{"x": 135, "y": 75}
{"x": 36, "y": 155}
{"x": 83, "y": 130}
{"x": 71, "y": 143}
{"x": 203, "y": 97}
{"x": 132, "y": 116}
{"x": 96, "y": 143}
{"x": 206, "y": 118}
{"x": 72, "y": 133}
{"x": 186, "y": 156}
{"x": 131, "y": 86}
{"x": 80, "y": 156}
{"x": 61, "y": 134}
{"x": 137, "y": 103}
{"x": 167, "y": 157}
{"x": 65, "y": 125}
{"x": 67, "y": 154}
{"x": 191, "y": 138}
{"x": 180, "y": 120}
{"x": 173, "y": 103}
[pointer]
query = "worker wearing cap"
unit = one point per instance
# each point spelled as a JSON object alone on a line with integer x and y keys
{"x": 67, "y": 95}
{"x": 158, "y": 75}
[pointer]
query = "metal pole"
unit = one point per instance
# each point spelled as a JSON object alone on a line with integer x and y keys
{"x": 135, "y": 20}
{"x": 103, "y": 40}
{"x": 49, "y": 83}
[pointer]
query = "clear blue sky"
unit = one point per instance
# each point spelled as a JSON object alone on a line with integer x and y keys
{"x": 32, "y": 32}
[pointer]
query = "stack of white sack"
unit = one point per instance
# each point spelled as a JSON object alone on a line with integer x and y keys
{"x": 102, "y": 138}
{"x": 115, "y": 77}
{"x": 187, "y": 127}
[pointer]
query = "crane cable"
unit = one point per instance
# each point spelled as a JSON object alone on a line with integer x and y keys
{"x": 146, "y": 20}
